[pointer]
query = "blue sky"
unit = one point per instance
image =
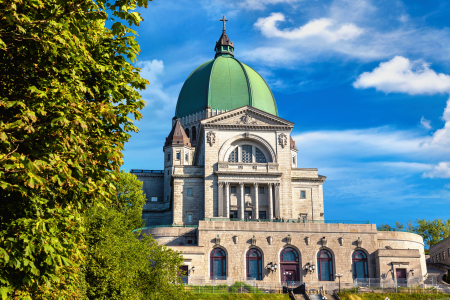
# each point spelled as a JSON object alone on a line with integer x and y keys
{"x": 367, "y": 84}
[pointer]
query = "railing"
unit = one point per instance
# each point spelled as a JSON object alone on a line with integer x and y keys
{"x": 147, "y": 171}
{"x": 287, "y": 221}
{"x": 162, "y": 226}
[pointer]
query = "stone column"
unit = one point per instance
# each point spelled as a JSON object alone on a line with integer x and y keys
{"x": 277, "y": 200}
{"x": 256, "y": 210}
{"x": 220, "y": 204}
{"x": 270, "y": 202}
{"x": 241, "y": 208}
{"x": 227, "y": 200}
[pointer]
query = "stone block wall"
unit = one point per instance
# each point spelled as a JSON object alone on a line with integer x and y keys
{"x": 440, "y": 253}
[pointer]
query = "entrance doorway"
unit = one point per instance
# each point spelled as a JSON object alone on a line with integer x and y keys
{"x": 233, "y": 214}
{"x": 248, "y": 214}
{"x": 184, "y": 270}
{"x": 289, "y": 273}
{"x": 401, "y": 277}
{"x": 289, "y": 265}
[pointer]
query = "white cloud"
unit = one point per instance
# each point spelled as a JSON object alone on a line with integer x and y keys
{"x": 323, "y": 28}
{"x": 425, "y": 123}
{"x": 442, "y": 170}
{"x": 402, "y": 75}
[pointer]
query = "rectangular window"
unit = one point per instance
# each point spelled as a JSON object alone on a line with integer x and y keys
{"x": 302, "y": 194}
{"x": 168, "y": 156}
{"x": 189, "y": 242}
{"x": 154, "y": 199}
{"x": 189, "y": 218}
{"x": 186, "y": 158}
{"x": 233, "y": 190}
{"x": 178, "y": 155}
{"x": 261, "y": 190}
{"x": 247, "y": 190}
{"x": 262, "y": 215}
{"x": 233, "y": 214}
{"x": 189, "y": 192}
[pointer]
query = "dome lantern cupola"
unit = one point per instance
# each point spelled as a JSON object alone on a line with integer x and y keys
{"x": 222, "y": 84}
{"x": 224, "y": 47}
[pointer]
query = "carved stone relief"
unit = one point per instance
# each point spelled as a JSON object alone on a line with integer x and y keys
{"x": 211, "y": 138}
{"x": 282, "y": 140}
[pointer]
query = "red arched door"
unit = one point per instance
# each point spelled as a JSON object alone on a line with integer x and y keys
{"x": 289, "y": 265}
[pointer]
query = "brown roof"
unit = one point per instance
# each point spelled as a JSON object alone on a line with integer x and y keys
{"x": 223, "y": 41}
{"x": 177, "y": 136}
{"x": 293, "y": 144}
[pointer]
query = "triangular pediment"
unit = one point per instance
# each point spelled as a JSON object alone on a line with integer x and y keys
{"x": 246, "y": 116}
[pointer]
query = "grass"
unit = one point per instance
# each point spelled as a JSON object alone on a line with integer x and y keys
{"x": 208, "y": 296}
{"x": 391, "y": 296}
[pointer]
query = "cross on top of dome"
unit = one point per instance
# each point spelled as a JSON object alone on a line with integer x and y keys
{"x": 223, "y": 46}
{"x": 223, "y": 20}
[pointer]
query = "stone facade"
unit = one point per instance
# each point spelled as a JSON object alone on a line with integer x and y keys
{"x": 237, "y": 187}
{"x": 440, "y": 253}
{"x": 270, "y": 238}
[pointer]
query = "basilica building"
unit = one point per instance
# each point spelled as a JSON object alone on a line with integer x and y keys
{"x": 233, "y": 200}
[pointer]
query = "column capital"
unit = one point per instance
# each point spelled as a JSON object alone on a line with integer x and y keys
{"x": 256, "y": 184}
{"x": 241, "y": 183}
{"x": 227, "y": 183}
{"x": 277, "y": 185}
{"x": 270, "y": 184}
{"x": 221, "y": 183}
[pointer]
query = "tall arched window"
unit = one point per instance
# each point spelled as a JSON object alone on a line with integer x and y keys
{"x": 359, "y": 265}
{"x": 325, "y": 265}
{"x": 187, "y": 131}
{"x": 194, "y": 133}
{"x": 289, "y": 265}
{"x": 254, "y": 264}
{"x": 218, "y": 264}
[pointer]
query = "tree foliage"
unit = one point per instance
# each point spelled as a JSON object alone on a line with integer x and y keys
{"x": 118, "y": 264}
{"x": 66, "y": 91}
{"x": 433, "y": 231}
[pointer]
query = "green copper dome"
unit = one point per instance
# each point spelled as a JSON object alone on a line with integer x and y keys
{"x": 224, "y": 83}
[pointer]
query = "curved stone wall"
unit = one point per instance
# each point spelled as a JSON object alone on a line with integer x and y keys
{"x": 403, "y": 240}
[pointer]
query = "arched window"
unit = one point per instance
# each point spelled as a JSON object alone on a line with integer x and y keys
{"x": 233, "y": 156}
{"x": 218, "y": 264}
{"x": 260, "y": 158}
{"x": 187, "y": 131}
{"x": 254, "y": 264}
{"x": 248, "y": 155}
{"x": 359, "y": 265}
{"x": 289, "y": 255}
{"x": 325, "y": 265}
{"x": 194, "y": 133}
{"x": 289, "y": 265}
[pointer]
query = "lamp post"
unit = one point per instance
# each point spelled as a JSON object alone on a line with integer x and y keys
{"x": 339, "y": 275}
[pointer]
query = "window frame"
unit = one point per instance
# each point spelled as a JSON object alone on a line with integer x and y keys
{"x": 192, "y": 217}
{"x": 302, "y": 194}
{"x": 233, "y": 187}
{"x": 329, "y": 261}
{"x": 190, "y": 192}
{"x": 364, "y": 261}
{"x": 247, "y": 188}
{"x": 258, "y": 260}
{"x": 178, "y": 155}
{"x": 223, "y": 261}
{"x": 261, "y": 188}
{"x": 154, "y": 199}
